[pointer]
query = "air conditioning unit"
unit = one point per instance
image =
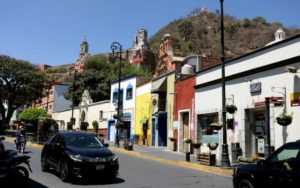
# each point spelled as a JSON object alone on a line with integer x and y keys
{"x": 187, "y": 70}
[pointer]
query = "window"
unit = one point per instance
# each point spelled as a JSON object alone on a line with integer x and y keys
{"x": 115, "y": 96}
{"x": 205, "y": 130}
{"x": 101, "y": 115}
{"x": 129, "y": 92}
{"x": 50, "y": 106}
{"x": 286, "y": 154}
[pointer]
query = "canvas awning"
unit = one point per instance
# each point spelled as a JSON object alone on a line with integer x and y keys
{"x": 159, "y": 85}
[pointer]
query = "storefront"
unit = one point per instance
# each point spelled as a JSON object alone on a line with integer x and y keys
{"x": 268, "y": 73}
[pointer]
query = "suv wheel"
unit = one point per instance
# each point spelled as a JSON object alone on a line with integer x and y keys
{"x": 44, "y": 164}
{"x": 245, "y": 184}
{"x": 64, "y": 171}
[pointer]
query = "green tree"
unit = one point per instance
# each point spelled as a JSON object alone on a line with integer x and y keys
{"x": 231, "y": 30}
{"x": 260, "y": 19}
{"x": 246, "y": 23}
{"x": 186, "y": 29}
{"x": 32, "y": 114}
{"x": 21, "y": 83}
{"x": 97, "y": 78}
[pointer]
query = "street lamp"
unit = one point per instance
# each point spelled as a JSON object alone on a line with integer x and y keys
{"x": 115, "y": 46}
{"x": 72, "y": 70}
{"x": 225, "y": 157}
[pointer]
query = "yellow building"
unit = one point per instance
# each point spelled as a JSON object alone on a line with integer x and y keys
{"x": 143, "y": 114}
{"x": 170, "y": 104}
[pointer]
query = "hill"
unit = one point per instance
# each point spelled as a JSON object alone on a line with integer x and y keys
{"x": 199, "y": 33}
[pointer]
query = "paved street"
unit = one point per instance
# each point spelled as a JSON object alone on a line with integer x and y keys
{"x": 134, "y": 172}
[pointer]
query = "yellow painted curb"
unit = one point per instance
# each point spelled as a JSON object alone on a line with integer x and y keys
{"x": 195, "y": 166}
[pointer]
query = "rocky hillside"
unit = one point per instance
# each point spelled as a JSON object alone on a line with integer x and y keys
{"x": 199, "y": 33}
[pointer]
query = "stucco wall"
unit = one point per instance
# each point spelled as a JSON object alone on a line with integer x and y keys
{"x": 209, "y": 98}
{"x": 170, "y": 103}
{"x": 92, "y": 114}
{"x": 143, "y": 110}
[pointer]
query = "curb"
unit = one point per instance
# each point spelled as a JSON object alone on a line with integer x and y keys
{"x": 195, "y": 166}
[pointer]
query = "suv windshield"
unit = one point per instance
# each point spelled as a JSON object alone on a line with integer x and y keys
{"x": 286, "y": 154}
{"x": 82, "y": 141}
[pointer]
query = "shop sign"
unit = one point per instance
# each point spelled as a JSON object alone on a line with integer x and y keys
{"x": 261, "y": 145}
{"x": 295, "y": 99}
{"x": 255, "y": 87}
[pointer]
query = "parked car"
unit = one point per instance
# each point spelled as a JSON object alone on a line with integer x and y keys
{"x": 280, "y": 169}
{"x": 77, "y": 154}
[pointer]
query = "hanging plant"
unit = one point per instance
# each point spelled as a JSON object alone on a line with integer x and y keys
{"x": 231, "y": 108}
{"x": 197, "y": 145}
{"x": 172, "y": 139}
{"x": 212, "y": 146}
{"x": 284, "y": 119}
{"x": 216, "y": 126}
{"x": 115, "y": 116}
{"x": 187, "y": 140}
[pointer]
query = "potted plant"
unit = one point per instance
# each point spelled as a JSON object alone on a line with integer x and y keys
{"x": 95, "y": 126}
{"x": 187, "y": 140}
{"x": 197, "y": 145}
{"x": 231, "y": 108}
{"x": 69, "y": 126}
{"x": 115, "y": 116}
{"x": 73, "y": 120}
{"x": 84, "y": 126}
{"x": 216, "y": 126}
{"x": 284, "y": 119}
{"x": 212, "y": 146}
{"x": 172, "y": 139}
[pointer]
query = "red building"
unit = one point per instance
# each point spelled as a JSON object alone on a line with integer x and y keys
{"x": 184, "y": 110}
{"x": 184, "y": 114}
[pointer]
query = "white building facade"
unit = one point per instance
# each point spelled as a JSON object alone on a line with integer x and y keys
{"x": 272, "y": 72}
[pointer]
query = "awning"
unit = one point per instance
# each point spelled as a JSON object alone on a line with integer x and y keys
{"x": 159, "y": 85}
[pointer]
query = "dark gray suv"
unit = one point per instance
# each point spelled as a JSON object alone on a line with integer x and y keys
{"x": 280, "y": 169}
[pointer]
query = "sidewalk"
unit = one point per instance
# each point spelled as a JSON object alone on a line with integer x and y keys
{"x": 169, "y": 157}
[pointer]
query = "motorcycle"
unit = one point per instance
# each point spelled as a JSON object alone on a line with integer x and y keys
{"x": 21, "y": 143}
{"x": 2, "y": 148}
{"x": 11, "y": 169}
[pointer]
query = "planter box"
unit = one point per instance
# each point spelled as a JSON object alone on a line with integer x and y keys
{"x": 206, "y": 158}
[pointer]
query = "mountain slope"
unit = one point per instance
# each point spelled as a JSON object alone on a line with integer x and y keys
{"x": 199, "y": 33}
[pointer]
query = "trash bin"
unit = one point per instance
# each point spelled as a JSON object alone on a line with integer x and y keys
{"x": 236, "y": 151}
{"x": 187, "y": 143}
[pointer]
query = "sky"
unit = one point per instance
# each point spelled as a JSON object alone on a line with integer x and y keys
{"x": 51, "y": 31}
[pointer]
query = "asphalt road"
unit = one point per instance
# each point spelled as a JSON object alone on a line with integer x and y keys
{"x": 134, "y": 173}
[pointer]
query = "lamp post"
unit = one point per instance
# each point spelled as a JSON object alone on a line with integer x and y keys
{"x": 72, "y": 70}
{"x": 115, "y": 46}
{"x": 225, "y": 157}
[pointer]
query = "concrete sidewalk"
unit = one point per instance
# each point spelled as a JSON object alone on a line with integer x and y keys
{"x": 169, "y": 157}
{"x": 157, "y": 154}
